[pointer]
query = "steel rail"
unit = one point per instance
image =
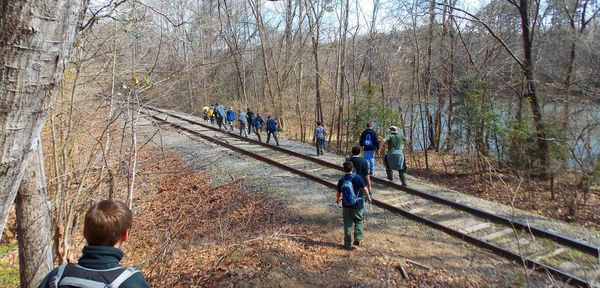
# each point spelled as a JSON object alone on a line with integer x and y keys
{"x": 530, "y": 263}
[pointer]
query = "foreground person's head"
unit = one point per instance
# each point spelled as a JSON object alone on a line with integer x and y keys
{"x": 107, "y": 223}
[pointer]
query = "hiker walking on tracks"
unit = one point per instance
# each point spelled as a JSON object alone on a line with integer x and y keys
{"x": 220, "y": 115}
{"x": 361, "y": 167}
{"x": 106, "y": 227}
{"x": 230, "y": 117}
{"x": 257, "y": 125}
{"x": 205, "y": 113}
{"x": 394, "y": 159}
{"x": 211, "y": 114}
{"x": 319, "y": 138}
{"x": 370, "y": 145}
{"x": 351, "y": 190}
{"x": 242, "y": 120}
{"x": 251, "y": 117}
{"x": 272, "y": 129}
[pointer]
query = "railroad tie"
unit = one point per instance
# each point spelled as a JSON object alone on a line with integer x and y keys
{"x": 497, "y": 234}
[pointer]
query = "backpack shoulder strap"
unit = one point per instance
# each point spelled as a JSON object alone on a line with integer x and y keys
{"x": 123, "y": 277}
{"x": 59, "y": 273}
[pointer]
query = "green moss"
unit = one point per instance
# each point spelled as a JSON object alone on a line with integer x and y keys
{"x": 7, "y": 248}
{"x": 9, "y": 275}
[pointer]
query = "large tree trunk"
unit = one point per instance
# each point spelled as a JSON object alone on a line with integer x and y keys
{"x": 33, "y": 223}
{"x": 35, "y": 43}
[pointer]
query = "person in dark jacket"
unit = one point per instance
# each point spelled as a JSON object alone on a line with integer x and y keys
{"x": 272, "y": 129}
{"x": 106, "y": 227}
{"x": 361, "y": 167}
{"x": 251, "y": 117}
{"x": 370, "y": 145}
{"x": 353, "y": 215}
{"x": 258, "y": 124}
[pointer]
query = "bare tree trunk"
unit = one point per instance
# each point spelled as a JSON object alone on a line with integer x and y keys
{"x": 429, "y": 80}
{"x": 35, "y": 42}
{"x": 530, "y": 88}
{"x": 33, "y": 222}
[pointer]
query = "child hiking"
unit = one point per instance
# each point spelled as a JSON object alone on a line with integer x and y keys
{"x": 106, "y": 228}
{"x": 351, "y": 190}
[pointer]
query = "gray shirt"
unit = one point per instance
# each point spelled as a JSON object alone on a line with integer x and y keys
{"x": 243, "y": 117}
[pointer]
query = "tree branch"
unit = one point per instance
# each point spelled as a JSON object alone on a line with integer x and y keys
{"x": 489, "y": 29}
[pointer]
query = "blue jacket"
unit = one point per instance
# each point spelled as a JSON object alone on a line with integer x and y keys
{"x": 271, "y": 125}
{"x": 230, "y": 115}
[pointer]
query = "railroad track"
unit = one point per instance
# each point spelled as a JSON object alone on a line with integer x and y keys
{"x": 574, "y": 262}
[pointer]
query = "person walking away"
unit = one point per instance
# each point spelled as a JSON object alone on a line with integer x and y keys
{"x": 251, "y": 117}
{"x": 319, "y": 138}
{"x": 370, "y": 145}
{"x": 242, "y": 120}
{"x": 230, "y": 118}
{"x": 106, "y": 227}
{"x": 211, "y": 114}
{"x": 394, "y": 159}
{"x": 361, "y": 168}
{"x": 205, "y": 113}
{"x": 220, "y": 115}
{"x": 350, "y": 192}
{"x": 257, "y": 125}
{"x": 272, "y": 129}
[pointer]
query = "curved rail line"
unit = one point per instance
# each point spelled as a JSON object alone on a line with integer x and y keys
{"x": 580, "y": 270}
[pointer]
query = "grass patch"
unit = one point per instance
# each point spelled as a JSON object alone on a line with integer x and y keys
{"x": 9, "y": 276}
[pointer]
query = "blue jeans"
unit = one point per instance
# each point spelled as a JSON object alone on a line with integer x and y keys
{"x": 320, "y": 146}
{"x": 370, "y": 157}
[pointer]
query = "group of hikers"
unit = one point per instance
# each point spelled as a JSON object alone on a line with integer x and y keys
{"x": 248, "y": 121}
{"x": 354, "y": 188}
{"x": 107, "y": 223}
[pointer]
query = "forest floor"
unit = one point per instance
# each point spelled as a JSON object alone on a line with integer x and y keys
{"x": 531, "y": 195}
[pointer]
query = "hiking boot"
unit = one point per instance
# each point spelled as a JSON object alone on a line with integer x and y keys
{"x": 348, "y": 248}
{"x": 356, "y": 243}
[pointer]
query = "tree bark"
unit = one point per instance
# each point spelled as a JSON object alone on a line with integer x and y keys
{"x": 530, "y": 88}
{"x": 35, "y": 43}
{"x": 33, "y": 223}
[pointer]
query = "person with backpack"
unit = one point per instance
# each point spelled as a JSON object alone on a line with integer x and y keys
{"x": 370, "y": 145}
{"x": 257, "y": 125}
{"x": 205, "y": 113}
{"x": 272, "y": 129}
{"x": 351, "y": 190}
{"x": 106, "y": 227}
{"x": 319, "y": 138}
{"x": 242, "y": 120}
{"x": 220, "y": 115}
{"x": 230, "y": 116}
{"x": 211, "y": 114}
{"x": 394, "y": 159}
{"x": 361, "y": 167}
{"x": 251, "y": 117}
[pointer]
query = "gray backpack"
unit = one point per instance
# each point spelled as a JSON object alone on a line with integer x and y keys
{"x": 70, "y": 281}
